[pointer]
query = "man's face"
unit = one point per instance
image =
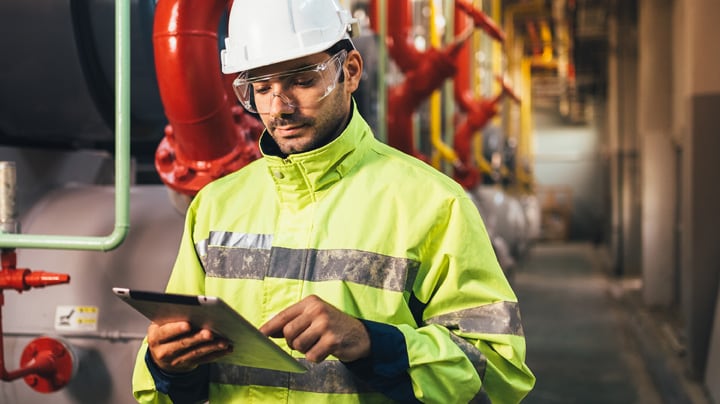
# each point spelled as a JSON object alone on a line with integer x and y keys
{"x": 297, "y": 124}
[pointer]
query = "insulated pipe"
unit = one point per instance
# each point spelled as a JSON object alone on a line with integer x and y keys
{"x": 208, "y": 136}
{"x": 122, "y": 157}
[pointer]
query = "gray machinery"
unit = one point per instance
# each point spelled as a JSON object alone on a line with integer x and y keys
{"x": 57, "y": 128}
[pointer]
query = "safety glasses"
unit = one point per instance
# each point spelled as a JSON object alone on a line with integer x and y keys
{"x": 299, "y": 88}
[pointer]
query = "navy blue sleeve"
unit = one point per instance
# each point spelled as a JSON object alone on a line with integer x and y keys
{"x": 183, "y": 388}
{"x": 386, "y": 367}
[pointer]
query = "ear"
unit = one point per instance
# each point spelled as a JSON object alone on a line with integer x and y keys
{"x": 353, "y": 70}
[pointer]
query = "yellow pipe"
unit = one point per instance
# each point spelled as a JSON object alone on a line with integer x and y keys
{"x": 444, "y": 152}
{"x": 525, "y": 144}
{"x": 547, "y": 41}
{"x": 482, "y": 163}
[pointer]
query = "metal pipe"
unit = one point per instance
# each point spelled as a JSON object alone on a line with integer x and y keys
{"x": 113, "y": 336}
{"x": 122, "y": 157}
{"x": 208, "y": 135}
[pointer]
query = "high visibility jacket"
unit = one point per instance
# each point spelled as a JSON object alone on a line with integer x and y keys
{"x": 378, "y": 234}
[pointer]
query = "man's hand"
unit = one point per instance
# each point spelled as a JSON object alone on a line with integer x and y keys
{"x": 176, "y": 348}
{"x": 318, "y": 329}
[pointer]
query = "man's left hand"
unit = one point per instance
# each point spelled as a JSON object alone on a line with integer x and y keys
{"x": 318, "y": 329}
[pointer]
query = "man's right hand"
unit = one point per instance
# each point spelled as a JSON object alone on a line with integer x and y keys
{"x": 177, "y": 348}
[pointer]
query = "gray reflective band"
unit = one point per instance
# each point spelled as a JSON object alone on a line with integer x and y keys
{"x": 325, "y": 377}
{"x": 201, "y": 248}
{"x": 366, "y": 268}
{"x": 241, "y": 240}
{"x": 494, "y": 318}
{"x": 476, "y": 357}
{"x": 362, "y": 267}
{"x": 234, "y": 240}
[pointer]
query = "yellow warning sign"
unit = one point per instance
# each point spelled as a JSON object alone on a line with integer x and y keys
{"x": 76, "y": 318}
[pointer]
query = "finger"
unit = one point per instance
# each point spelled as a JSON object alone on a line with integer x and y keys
{"x": 203, "y": 353}
{"x": 160, "y": 334}
{"x": 274, "y": 326}
{"x": 320, "y": 349}
{"x": 166, "y": 355}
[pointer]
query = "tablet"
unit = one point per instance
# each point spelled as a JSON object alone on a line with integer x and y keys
{"x": 250, "y": 347}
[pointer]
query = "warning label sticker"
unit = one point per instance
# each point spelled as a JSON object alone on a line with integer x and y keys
{"x": 76, "y": 318}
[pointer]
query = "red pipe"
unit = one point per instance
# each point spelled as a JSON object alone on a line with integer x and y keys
{"x": 478, "y": 112}
{"x": 424, "y": 73}
{"x": 480, "y": 20}
{"x": 45, "y": 364}
{"x": 207, "y": 137}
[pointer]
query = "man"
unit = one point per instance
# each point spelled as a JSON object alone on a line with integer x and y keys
{"x": 371, "y": 267}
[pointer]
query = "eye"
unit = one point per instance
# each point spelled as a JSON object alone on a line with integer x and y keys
{"x": 304, "y": 80}
{"x": 262, "y": 87}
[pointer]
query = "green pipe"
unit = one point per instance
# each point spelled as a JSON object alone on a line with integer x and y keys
{"x": 122, "y": 158}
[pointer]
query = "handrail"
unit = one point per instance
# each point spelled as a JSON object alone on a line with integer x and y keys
{"x": 122, "y": 158}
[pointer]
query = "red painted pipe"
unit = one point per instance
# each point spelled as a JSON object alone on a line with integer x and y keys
{"x": 481, "y": 20}
{"x": 206, "y": 137}
{"x": 477, "y": 112}
{"x": 46, "y": 364}
{"x": 424, "y": 73}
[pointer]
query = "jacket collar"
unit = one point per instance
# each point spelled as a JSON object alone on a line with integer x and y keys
{"x": 317, "y": 169}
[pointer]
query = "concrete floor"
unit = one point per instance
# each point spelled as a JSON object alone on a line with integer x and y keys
{"x": 583, "y": 341}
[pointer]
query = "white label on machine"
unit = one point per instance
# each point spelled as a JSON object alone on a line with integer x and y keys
{"x": 76, "y": 318}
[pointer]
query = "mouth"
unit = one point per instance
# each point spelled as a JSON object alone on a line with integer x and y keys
{"x": 288, "y": 130}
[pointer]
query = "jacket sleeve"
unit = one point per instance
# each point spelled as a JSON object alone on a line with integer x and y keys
{"x": 469, "y": 343}
{"x": 187, "y": 277}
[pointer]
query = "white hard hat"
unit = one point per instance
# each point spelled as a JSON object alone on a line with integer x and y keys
{"x": 262, "y": 33}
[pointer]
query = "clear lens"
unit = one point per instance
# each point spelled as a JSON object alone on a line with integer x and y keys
{"x": 300, "y": 88}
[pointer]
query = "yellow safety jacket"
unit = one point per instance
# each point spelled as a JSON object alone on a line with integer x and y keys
{"x": 378, "y": 234}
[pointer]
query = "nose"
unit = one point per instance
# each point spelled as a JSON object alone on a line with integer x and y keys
{"x": 280, "y": 104}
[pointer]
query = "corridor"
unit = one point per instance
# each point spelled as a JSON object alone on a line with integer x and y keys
{"x": 583, "y": 337}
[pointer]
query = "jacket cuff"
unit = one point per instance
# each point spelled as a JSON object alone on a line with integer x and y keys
{"x": 386, "y": 369}
{"x": 189, "y": 387}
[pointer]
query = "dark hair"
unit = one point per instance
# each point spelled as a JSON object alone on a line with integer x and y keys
{"x": 343, "y": 44}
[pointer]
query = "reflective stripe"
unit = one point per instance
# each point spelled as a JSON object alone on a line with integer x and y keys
{"x": 366, "y": 268}
{"x": 494, "y": 318}
{"x": 237, "y": 263}
{"x": 479, "y": 362}
{"x": 362, "y": 267}
{"x": 201, "y": 248}
{"x": 325, "y": 377}
{"x": 234, "y": 240}
{"x": 241, "y": 240}
{"x": 476, "y": 357}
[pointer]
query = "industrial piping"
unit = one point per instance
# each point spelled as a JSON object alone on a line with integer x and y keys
{"x": 478, "y": 111}
{"x": 208, "y": 136}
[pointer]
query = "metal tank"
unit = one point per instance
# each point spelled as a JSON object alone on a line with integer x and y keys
{"x": 56, "y": 76}
{"x": 102, "y": 332}
{"x": 57, "y": 125}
